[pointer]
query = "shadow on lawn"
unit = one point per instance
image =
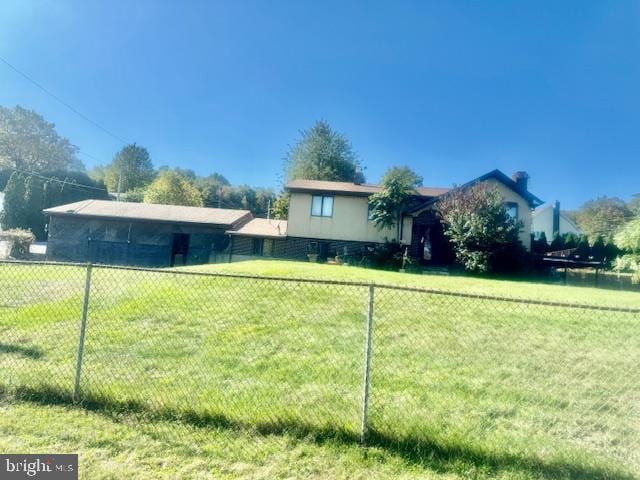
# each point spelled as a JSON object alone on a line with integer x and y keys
{"x": 28, "y": 352}
{"x": 428, "y": 453}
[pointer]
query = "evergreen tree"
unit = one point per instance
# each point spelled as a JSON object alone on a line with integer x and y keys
{"x": 611, "y": 250}
{"x": 323, "y": 154}
{"x": 570, "y": 240}
{"x": 583, "y": 250}
{"x": 598, "y": 249}
{"x": 539, "y": 245}
{"x": 34, "y": 204}
{"x": 14, "y": 213}
{"x": 557, "y": 243}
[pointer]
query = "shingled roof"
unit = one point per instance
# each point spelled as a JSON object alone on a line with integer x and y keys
{"x": 152, "y": 212}
{"x": 261, "y": 227}
{"x": 354, "y": 189}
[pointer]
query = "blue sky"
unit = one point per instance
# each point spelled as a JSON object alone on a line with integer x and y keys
{"x": 452, "y": 89}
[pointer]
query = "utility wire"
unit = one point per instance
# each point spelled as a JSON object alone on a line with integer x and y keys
{"x": 52, "y": 179}
{"x": 61, "y": 101}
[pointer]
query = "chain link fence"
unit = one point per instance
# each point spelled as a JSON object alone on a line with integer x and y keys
{"x": 431, "y": 371}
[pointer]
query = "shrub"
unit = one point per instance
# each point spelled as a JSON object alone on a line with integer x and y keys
{"x": 628, "y": 240}
{"x": 386, "y": 256}
{"x": 19, "y": 240}
{"x": 484, "y": 237}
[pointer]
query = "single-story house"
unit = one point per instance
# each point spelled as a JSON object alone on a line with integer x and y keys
{"x": 548, "y": 218}
{"x": 141, "y": 234}
{"x": 334, "y": 218}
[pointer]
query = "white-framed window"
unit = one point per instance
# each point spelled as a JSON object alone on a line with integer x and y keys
{"x": 321, "y": 206}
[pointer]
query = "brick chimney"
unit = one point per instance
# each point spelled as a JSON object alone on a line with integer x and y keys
{"x": 522, "y": 180}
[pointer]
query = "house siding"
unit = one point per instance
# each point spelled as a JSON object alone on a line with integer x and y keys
{"x": 120, "y": 242}
{"x": 524, "y": 210}
{"x": 349, "y": 221}
{"x": 542, "y": 221}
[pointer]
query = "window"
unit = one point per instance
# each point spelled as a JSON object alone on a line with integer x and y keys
{"x": 370, "y": 211}
{"x": 512, "y": 210}
{"x": 321, "y": 206}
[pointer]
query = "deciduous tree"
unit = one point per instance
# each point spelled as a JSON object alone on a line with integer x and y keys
{"x": 28, "y": 142}
{"x": 387, "y": 206}
{"x": 628, "y": 240}
{"x": 603, "y": 216}
{"x": 477, "y": 224}
{"x": 171, "y": 188}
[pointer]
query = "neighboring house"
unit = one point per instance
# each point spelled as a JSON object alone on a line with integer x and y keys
{"x": 141, "y": 234}
{"x": 333, "y": 218}
{"x": 548, "y": 218}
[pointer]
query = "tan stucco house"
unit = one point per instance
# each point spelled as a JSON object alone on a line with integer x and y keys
{"x": 329, "y": 218}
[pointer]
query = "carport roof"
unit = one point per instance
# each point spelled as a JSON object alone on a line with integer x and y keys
{"x": 151, "y": 212}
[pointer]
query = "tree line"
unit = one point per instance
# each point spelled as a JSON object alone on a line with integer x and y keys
{"x": 38, "y": 169}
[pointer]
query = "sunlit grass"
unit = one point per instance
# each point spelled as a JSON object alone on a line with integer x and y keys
{"x": 460, "y": 387}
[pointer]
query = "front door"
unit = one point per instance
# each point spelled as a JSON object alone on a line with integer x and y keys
{"x": 179, "y": 249}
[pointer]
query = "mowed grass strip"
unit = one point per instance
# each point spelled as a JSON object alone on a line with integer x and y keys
{"x": 466, "y": 385}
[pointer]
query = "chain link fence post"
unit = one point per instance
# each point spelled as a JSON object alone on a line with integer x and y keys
{"x": 83, "y": 328}
{"x": 367, "y": 367}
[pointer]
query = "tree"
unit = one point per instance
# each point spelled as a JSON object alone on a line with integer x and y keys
{"x": 612, "y": 252}
{"x": 27, "y": 196}
{"x": 34, "y": 204}
{"x": 322, "y": 154}
{"x": 280, "y": 207}
{"x": 604, "y": 215}
{"x": 598, "y": 249}
{"x": 14, "y": 213}
{"x": 398, "y": 186}
{"x": 540, "y": 245}
{"x": 134, "y": 164}
{"x": 212, "y": 189}
{"x": 557, "y": 244}
{"x": 30, "y": 143}
{"x": 634, "y": 205}
{"x": 628, "y": 240}
{"x": 185, "y": 172}
{"x": 476, "y": 222}
{"x": 171, "y": 188}
{"x": 570, "y": 240}
{"x": 583, "y": 250}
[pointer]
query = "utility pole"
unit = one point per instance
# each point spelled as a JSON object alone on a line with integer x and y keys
{"x": 220, "y": 197}
{"x": 119, "y": 186}
{"x": 269, "y": 210}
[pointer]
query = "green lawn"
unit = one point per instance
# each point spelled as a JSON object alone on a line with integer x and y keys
{"x": 205, "y": 377}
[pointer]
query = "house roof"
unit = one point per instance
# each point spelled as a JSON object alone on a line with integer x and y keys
{"x": 261, "y": 227}
{"x": 355, "y": 189}
{"x": 547, "y": 206}
{"x": 496, "y": 175}
{"x": 151, "y": 212}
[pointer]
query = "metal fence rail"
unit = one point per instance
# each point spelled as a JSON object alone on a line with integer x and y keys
{"x": 383, "y": 363}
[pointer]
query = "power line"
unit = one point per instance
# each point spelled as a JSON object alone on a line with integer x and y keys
{"x": 61, "y": 101}
{"x": 81, "y": 152}
{"x": 53, "y": 179}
